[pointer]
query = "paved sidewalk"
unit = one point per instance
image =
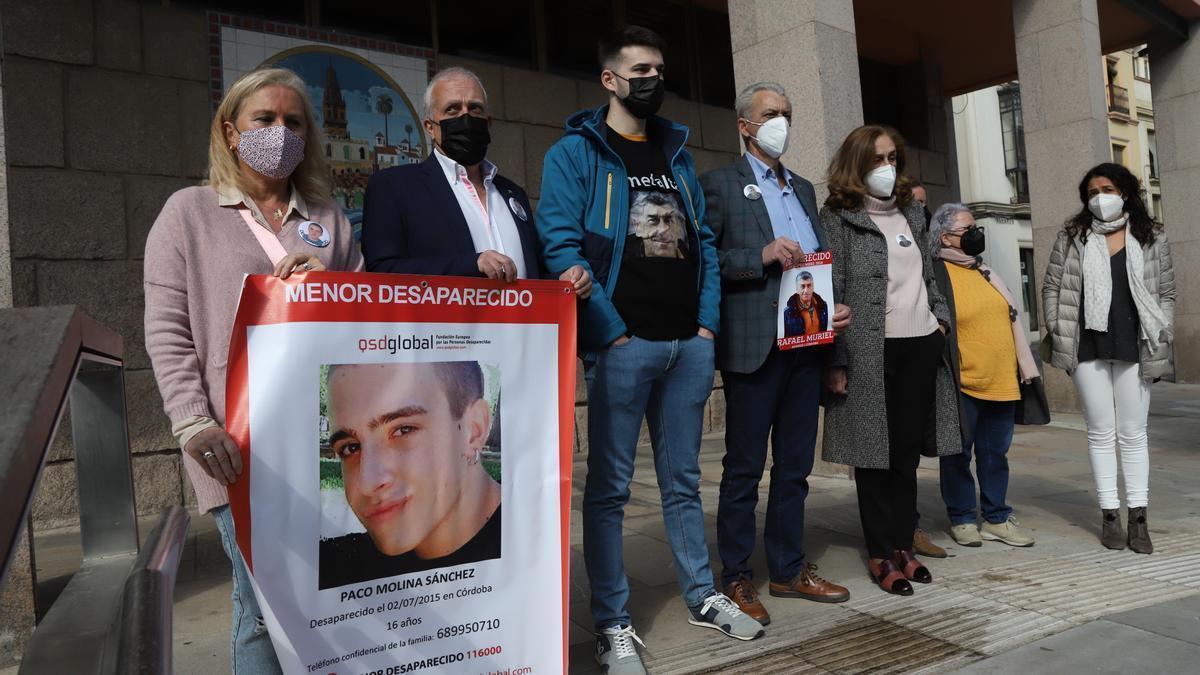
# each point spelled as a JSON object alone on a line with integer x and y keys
{"x": 990, "y": 609}
{"x": 1066, "y": 605}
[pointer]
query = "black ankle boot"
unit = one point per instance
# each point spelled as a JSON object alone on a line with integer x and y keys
{"x": 1139, "y": 531}
{"x": 1111, "y": 535}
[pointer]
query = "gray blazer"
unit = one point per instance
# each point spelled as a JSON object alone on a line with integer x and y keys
{"x": 1063, "y": 285}
{"x": 749, "y": 293}
{"x": 856, "y": 429}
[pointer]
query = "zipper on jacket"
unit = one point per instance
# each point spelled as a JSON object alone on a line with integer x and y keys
{"x": 608, "y": 201}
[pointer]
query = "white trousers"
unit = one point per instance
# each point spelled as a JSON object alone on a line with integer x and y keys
{"x": 1116, "y": 402}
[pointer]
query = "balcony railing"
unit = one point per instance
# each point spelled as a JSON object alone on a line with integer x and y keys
{"x": 1118, "y": 99}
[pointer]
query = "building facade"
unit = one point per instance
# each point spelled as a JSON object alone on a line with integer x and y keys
{"x": 994, "y": 174}
{"x": 107, "y": 106}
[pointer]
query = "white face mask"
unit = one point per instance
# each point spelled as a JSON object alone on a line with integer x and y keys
{"x": 1106, "y": 207}
{"x": 772, "y": 136}
{"x": 881, "y": 181}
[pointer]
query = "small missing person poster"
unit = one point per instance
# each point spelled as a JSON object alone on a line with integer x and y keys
{"x": 806, "y": 302}
{"x": 407, "y": 443}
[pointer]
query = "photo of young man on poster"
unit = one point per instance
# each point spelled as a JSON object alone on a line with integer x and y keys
{"x": 806, "y": 312}
{"x": 410, "y": 438}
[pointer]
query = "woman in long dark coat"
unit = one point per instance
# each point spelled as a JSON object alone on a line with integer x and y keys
{"x": 892, "y": 395}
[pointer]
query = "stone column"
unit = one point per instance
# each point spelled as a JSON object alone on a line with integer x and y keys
{"x": 809, "y": 48}
{"x": 1066, "y": 123}
{"x": 1175, "y": 73}
{"x": 6, "y": 286}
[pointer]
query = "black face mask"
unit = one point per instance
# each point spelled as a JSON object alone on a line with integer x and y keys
{"x": 645, "y": 95}
{"x": 972, "y": 241}
{"x": 465, "y": 139}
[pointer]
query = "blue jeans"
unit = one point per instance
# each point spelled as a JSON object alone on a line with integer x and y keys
{"x": 250, "y": 646}
{"x": 779, "y": 400}
{"x": 989, "y": 431}
{"x": 668, "y": 383}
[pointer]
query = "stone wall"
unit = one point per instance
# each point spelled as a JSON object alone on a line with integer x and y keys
{"x": 106, "y": 113}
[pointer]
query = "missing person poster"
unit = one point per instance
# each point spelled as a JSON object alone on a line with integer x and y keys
{"x": 407, "y": 450}
{"x": 806, "y": 302}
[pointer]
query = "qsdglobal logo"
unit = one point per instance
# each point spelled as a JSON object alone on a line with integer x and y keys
{"x": 394, "y": 343}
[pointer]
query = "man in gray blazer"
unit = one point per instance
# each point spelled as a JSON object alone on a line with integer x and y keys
{"x": 765, "y": 217}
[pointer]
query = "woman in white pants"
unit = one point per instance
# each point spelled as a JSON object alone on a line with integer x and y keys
{"x": 1109, "y": 301}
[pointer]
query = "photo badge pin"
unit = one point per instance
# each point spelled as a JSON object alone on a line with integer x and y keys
{"x": 517, "y": 208}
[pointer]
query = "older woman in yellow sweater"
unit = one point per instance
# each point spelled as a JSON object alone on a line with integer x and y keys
{"x": 990, "y": 356}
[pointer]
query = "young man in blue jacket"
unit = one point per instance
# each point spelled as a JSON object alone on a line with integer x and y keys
{"x": 620, "y": 196}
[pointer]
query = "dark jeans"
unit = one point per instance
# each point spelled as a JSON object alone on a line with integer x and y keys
{"x": 989, "y": 430}
{"x": 887, "y": 498}
{"x": 778, "y": 400}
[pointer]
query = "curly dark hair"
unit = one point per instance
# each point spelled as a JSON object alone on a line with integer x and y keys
{"x": 1141, "y": 224}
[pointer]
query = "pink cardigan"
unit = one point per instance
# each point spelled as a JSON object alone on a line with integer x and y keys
{"x": 196, "y": 255}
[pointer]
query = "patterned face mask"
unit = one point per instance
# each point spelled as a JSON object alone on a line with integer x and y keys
{"x": 275, "y": 152}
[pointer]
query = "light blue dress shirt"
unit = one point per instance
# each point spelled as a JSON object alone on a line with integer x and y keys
{"x": 788, "y": 218}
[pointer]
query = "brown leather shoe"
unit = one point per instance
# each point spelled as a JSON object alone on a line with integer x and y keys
{"x": 742, "y": 591}
{"x": 810, "y": 587}
{"x": 923, "y": 545}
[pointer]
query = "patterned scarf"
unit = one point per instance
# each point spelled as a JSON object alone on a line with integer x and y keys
{"x": 1026, "y": 365}
{"x": 1097, "y": 283}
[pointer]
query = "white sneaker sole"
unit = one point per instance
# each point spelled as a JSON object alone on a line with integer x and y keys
{"x": 607, "y": 669}
{"x": 988, "y": 536}
{"x": 705, "y": 624}
{"x": 966, "y": 542}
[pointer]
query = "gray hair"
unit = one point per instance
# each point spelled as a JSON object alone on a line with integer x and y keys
{"x": 453, "y": 72}
{"x": 942, "y": 222}
{"x": 804, "y": 275}
{"x": 746, "y": 98}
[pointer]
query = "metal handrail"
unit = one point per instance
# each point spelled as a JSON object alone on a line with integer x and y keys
{"x": 118, "y": 598}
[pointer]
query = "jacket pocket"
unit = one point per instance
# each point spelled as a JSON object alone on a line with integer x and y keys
{"x": 598, "y": 252}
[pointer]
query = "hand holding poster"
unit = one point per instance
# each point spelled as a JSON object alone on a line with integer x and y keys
{"x": 806, "y": 302}
{"x": 386, "y": 424}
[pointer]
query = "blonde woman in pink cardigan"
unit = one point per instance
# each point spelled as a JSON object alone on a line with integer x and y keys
{"x": 265, "y": 209}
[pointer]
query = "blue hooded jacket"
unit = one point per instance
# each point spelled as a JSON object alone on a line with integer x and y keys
{"x": 583, "y": 214}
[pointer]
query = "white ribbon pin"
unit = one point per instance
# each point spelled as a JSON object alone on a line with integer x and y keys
{"x": 752, "y": 192}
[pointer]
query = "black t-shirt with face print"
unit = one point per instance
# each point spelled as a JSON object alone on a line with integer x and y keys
{"x": 658, "y": 291}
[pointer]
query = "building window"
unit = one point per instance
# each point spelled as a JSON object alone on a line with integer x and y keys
{"x": 1012, "y": 129}
{"x": 572, "y": 31}
{"x": 1031, "y": 310}
{"x": 669, "y": 20}
{"x": 1118, "y": 153}
{"x": 1156, "y": 204}
{"x": 497, "y": 32}
{"x": 412, "y": 26}
{"x": 1141, "y": 64}
{"x": 1152, "y": 149}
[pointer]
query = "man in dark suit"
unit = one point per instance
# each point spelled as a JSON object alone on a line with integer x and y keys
{"x": 765, "y": 217}
{"x": 454, "y": 214}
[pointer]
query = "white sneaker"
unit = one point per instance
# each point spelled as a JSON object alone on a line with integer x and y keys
{"x": 616, "y": 653}
{"x": 1007, "y": 532}
{"x": 966, "y": 535}
{"x": 721, "y": 613}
